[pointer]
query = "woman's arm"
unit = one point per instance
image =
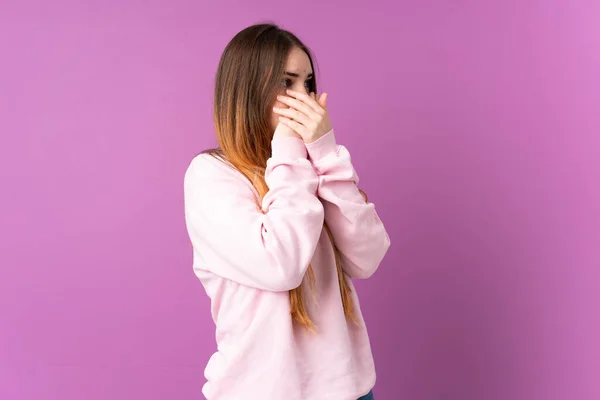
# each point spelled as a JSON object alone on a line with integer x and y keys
{"x": 268, "y": 249}
{"x": 357, "y": 230}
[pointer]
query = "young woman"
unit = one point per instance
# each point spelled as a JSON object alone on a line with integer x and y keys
{"x": 279, "y": 228}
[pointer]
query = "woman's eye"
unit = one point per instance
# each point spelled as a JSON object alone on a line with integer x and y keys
{"x": 288, "y": 83}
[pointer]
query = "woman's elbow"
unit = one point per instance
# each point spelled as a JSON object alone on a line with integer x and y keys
{"x": 365, "y": 268}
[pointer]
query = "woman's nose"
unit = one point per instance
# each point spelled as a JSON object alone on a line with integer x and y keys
{"x": 302, "y": 88}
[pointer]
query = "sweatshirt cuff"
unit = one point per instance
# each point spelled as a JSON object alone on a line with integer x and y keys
{"x": 323, "y": 146}
{"x": 288, "y": 147}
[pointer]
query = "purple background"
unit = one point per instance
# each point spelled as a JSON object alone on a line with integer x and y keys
{"x": 474, "y": 126}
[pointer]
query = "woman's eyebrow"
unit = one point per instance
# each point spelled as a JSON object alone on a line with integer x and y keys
{"x": 296, "y": 75}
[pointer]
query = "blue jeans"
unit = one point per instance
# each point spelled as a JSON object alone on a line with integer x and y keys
{"x": 368, "y": 396}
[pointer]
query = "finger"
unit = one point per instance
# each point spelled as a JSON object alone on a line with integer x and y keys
{"x": 312, "y": 102}
{"x": 316, "y": 98}
{"x": 305, "y": 98}
{"x": 323, "y": 100}
{"x": 293, "y": 114}
{"x": 298, "y": 128}
{"x": 326, "y": 95}
{"x": 298, "y": 105}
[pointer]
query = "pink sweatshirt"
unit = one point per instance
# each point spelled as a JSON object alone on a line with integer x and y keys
{"x": 247, "y": 262}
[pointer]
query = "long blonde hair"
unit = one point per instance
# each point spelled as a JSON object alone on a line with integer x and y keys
{"x": 246, "y": 85}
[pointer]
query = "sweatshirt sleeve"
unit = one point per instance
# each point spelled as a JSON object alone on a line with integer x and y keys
{"x": 270, "y": 247}
{"x": 357, "y": 230}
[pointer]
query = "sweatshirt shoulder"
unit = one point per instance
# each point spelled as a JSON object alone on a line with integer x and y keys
{"x": 209, "y": 170}
{"x": 207, "y": 166}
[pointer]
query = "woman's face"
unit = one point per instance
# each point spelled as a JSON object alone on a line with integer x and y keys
{"x": 297, "y": 75}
